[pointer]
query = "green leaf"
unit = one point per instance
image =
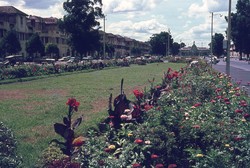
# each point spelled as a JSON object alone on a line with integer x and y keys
{"x": 77, "y": 122}
{"x": 60, "y": 129}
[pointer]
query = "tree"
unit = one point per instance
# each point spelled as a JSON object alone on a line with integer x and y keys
{"x": 34, "y": 45}
{"x": 52, "y": 50}
{"x": 240, "y": 27}
{"x": 218, "y": 44}
{"x": 136, "y": 51}
{"x": 159, "y": 43}
{"x": 81, "y": 24}
{"x": 10, "y": 43}
{"x": 176, "y": 48}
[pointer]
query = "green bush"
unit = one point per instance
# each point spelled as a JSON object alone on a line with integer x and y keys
{"x": 8, "y": 145}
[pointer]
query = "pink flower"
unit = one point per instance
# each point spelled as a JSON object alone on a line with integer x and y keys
{"x": 238, "y": 111}
{"x": 213, "y": 101}
{"x": 136, "y": 165}
{"x": 154, "y": 156}
{"x": 196, "y": 126}
{"x": 246, "y": 115}
{"x": 172, "y": 166}
{"x": 159, "y": 166}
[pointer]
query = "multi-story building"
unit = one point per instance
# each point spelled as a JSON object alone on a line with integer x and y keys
{"x": 14, "y": 19}
{"x": 49, "y": 32}
{"x": 123, "y": 45}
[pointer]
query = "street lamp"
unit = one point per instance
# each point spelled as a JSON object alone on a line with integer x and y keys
{"x": 211, "y": 44}
{"x": 167, "y": 43}
{"x": 104, "y": 40}
{"x": 228, "y": 40}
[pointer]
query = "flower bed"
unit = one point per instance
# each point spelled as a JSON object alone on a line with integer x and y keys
{"x": 195, "y": 118}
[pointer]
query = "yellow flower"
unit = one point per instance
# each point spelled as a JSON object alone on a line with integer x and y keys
{"x": 111, "y": 147}
{"x": 227, "y": 145}
{"x": 199, "y": 155}
{"x": 129, "y": 134}
{"x": 243, "y": 120}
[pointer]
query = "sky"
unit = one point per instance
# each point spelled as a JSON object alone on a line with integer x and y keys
{"x": 187, "y": 21}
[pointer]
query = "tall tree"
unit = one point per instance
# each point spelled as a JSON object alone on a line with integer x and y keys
{"x": 52, "y": 50}
{"x": 81, "y": 24}
{"x": 10, "y": 43}
{"x": 34, "y": 46}
{"x": 176, "y": 48}
{"x": 240, "y": 29}
{"x": 159, "y": 43}
{"x": 218, "y": 44}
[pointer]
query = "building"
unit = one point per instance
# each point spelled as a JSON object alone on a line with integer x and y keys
{"x": 47, "y": 28}
{"x": 194, "y": 51}
{"x": 12, "y": 18}
{"x": 124, "y": 46}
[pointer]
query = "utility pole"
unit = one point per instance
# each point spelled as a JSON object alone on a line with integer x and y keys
{"x": 228, "y": 40}
{"x": 211, "y": 44}
{"x": 104, "y": 40}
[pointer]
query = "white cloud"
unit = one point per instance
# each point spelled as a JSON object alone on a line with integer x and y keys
{"x": 142, "y": 30}
{"x": 117, "y": 6}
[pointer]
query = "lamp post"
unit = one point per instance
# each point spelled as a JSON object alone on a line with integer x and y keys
{"x": 211, "y": 44}
{"x": 104, "y": 40}
{"x": 228, "y": 40}
{"x": 167, "y": 43}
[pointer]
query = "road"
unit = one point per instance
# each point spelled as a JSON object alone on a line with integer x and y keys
{"x": 239, "y": 71}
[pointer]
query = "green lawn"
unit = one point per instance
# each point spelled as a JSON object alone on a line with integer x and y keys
{"x": 30, "y": 108}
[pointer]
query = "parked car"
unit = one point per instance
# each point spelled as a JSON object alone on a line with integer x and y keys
{"x": 14, "y": 59}
{"x": 64, "y": 58}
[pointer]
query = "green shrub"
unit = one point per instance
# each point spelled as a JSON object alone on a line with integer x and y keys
{"x": 8, "y": 146}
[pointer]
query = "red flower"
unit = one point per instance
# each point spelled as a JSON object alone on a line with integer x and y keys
{"x": 154, "y": 156}
{"x": 159, "y": 166}
{"x": 226, "y": 99}
{"x": 136, "y": 165}
{"x": 175, "y": 74}
{"x": 138, "y": 94}
{"x": 138, "y": 141}
{"x": 172, "y": 166}
{"x": 148, "y": 107}
{"x": 197, "y": 104}
{"x": 107, "y": 150}
{"x": 169, "y": 70}
{"x": 238, "y": 111}
{"x": 73, "y": 103}
{"x": 218, "y": 89}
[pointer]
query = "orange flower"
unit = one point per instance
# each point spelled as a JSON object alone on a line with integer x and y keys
{"x": 78, "y": 141}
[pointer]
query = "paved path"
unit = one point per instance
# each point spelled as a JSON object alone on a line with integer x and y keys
{"x": 239, "y": 71}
